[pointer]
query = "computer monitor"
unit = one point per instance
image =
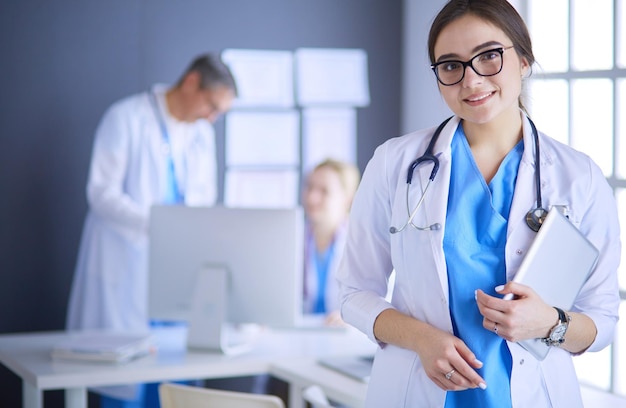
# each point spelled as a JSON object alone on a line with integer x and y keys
{"x": 211, "y": 266}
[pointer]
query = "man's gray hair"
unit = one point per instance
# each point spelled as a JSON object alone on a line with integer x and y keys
{"x": 213, "y": 72}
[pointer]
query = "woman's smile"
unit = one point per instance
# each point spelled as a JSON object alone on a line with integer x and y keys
{"x": 479, "y": 98}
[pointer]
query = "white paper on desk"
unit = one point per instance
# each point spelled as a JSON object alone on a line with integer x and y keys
{"x": 104, "y": 347}
{"x": 263, "y": 138}
{"x": 261, "y": 188}
{"x": 328, "y": 133}
{"x": 264, "y": 77}
{"x": 327, "y": 76}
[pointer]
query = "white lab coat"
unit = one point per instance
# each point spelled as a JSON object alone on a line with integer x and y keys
{"x": 127, "y": 176}
{"x": 568, "y": 178}
{"x": 311, "y": 285}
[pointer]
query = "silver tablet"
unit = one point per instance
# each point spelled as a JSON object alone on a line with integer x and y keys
{"x": 556, "y": 266}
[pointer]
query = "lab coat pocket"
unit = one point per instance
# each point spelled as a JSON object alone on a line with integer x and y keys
{"x": 391, "y": 375}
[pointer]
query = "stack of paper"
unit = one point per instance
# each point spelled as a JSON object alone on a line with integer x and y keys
{"x": 104, "y": 347}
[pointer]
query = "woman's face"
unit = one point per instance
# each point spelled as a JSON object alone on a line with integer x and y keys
{"x": 480, "y": 99}
{"x": 325, "y": 200}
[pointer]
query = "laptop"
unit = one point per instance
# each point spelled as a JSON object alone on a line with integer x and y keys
{"x": 556, "y": 266}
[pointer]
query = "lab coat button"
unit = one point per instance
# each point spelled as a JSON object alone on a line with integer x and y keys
{"x": 521, "y": 362}
{"x": 519, "y": 251}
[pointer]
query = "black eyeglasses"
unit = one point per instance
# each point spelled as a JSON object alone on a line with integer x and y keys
{"x": 487, "y": 63}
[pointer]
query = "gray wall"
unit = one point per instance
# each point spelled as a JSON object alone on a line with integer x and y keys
{"x": 422, "y": 105}
{"x": 63, "y": 62}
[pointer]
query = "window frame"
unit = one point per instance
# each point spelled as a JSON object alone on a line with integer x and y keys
{"x": 614, "y": 74}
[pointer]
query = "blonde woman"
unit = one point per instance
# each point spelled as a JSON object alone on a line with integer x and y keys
{"x": 326, "y": 198}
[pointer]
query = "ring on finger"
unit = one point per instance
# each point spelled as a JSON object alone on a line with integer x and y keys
{"x": 449, "y": 374}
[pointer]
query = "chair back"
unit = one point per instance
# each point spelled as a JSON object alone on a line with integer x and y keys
{"x": 184, "y": 396}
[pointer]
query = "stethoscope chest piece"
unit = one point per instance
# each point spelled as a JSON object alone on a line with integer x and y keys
{"x": 536, "y": 217}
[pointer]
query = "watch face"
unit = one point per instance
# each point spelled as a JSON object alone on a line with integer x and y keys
{"x": 558, "y": 332}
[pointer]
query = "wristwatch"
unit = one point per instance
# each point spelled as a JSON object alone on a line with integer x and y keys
{"x": 557, "y": 333}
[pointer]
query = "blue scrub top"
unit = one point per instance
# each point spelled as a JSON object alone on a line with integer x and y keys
{"x": 322, "y": 266}
{"x": 474, "y": 243}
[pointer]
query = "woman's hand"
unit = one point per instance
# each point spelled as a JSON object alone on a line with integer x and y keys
{"x": 448, "y": 362}
{"x": 527, "y": 316}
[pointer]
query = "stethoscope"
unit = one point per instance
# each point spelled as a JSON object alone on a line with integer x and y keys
{"x": 534, "y": 217}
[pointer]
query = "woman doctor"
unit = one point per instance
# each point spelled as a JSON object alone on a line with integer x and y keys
{"x": 448, "y": 339}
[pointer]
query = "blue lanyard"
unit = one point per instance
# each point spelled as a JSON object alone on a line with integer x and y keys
{"x": 173, "y": 193}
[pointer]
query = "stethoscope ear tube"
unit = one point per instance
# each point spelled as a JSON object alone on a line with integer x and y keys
{"x": 428, "y": 155}
{"x": 424, "y": 158}
{"x": 536, "y": 216}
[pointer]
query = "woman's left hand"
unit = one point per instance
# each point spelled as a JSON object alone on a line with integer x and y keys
{"x": 526, "y": 316}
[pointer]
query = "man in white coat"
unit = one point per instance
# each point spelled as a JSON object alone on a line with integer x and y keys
{"x": 157, "y": 147}
{"x": 137, "y": 141}
{"x": 129, "y": 173}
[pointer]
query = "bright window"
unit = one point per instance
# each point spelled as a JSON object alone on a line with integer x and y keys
{"x": 548, "y": 20}
{"x": 620, "y": 194}
{"x": 621, "y": 128}
{"x": 592, "y": 34}
{"x": 549, "y": 104}
{"x": 592, "y": 120}
{"x": 577, "y": 95}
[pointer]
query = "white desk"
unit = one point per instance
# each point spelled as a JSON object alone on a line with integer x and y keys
{"x": 304, "y": 372}
{"x": 289, "y": 354}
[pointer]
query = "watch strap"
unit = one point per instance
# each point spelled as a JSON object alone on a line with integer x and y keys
{"x": 562, "y": 316}
{"x": 564, "y": 320}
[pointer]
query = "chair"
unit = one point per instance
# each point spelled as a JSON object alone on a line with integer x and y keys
{"x": 184, "y": 396}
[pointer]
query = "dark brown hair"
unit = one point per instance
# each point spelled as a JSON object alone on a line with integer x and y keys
{"x": 500, "y": 13}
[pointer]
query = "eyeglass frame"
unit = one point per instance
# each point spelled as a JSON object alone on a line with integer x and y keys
{"x": 469, "y": 63}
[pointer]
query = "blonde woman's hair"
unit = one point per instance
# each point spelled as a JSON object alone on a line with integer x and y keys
{"x": 349, "y": 174}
